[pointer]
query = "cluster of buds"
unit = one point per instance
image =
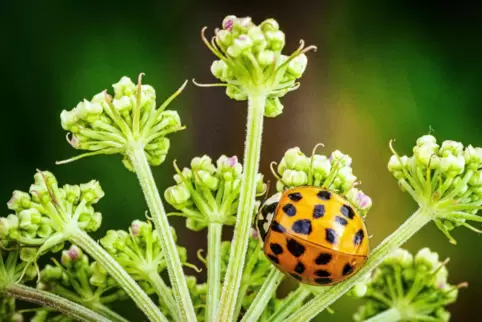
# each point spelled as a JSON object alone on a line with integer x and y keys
{"x": 208, "y": 193}
{"x": 407, "y": 288}
{"x": 110, "y": 125}
{"x": 445, "y": 178}
{"x": 48, "y": 215}
{"x": 334, "y": 173}
{"x": 250, "y": 60}
{"x": 80, "y": 280}
{"x": 139, "y": 251}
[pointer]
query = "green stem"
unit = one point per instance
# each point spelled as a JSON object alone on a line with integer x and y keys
{"x": 263, "y": 296}
{"x": 247, "y": 196}
{"x": 251, "y": 263}
{"x": 84, "y": 241}
{"x": 72, "y": 309}
{"x": 214, "y": 269}
{"x": 164, "y": 293}
{"x": 108, "y": 313}
{"x": 391, "y": 315}
{"x": 289, "y": 305}
{"x": 416, "y": 222}
{"x": 176, "y": 273}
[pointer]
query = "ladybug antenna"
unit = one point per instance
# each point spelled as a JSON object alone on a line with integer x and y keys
{"x": 312, "y": 160}
{"x": 276, "y": 174}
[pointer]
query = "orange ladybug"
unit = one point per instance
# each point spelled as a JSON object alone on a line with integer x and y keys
{"x": 313, "y": 235}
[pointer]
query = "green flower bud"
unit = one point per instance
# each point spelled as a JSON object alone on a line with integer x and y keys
{"x": 426, "y": 258}
{"x": 72, "y": 193}
{"x": 88, "y": 111}
{"x": 236, "y": 93}
{"x": 451, "y": 148}
{"x": 125, "y": 87}
{"x": 123, "y": 104}
{"x": 8, "y": 225}
{"x": 28, "y": 217}
{"x": 28, "y": 254}
{"x": 207, "y": 179}
{"x": 257, "y": 36}
{"x": 218, "y": 69}
{"x": 20, "y": 200}
{"x": 203, "y": 163}
{"x": 276, "y": 39}
{"x": 297, "y": 66}
{"x": 240, "y": 45}
{"x": 224, "y": 38}
{"x": 452, "y": 165}
{"x": 91, "y": 192}
{"x": 273, "y": 107}
{"x": 295, "y": 178}
{"x": 266, "y": 57}
{"x": 99, "y": 275}
{"x": 294, "y": 159}
{"x": 269, "y": 25}
{"x": 321, "y": 166}
{"x": 69, "y": 119}
{"x": 177, "y": 196}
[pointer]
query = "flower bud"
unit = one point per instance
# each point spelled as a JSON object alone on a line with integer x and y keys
{"x": 28, "y": 254}
{"x": 273, "y": 107}
{"x": 203, "y": 163}
{"x": 236, "y": 93}
{"x": 71, "y": 255}
{"x": 218, "y": 69}
{"x": 224, "y": 38}
{"x": 240, "y": 45}
{"x": 295, "y": 178}
{"x": 123, "y": 104}
{"x": 20, "y": 200}
{"x": 257, "y": 36}
{"x": 297, "y": 66}
{"x": 451, "y": 148}
{"x": 72, "y": 193}
{"x": 177, "y": 196}
{"x": 29, "y": 217}
{"x": 426, "y": 258}
{"x": 228, "y": 22}
{"x": 343, "y": 160}
{"x": 452, "y": 165}
{"x": 276, "y": 39}
{"x": 295, "y": 159}
{"x": 99, "y": 275}
{"x": 426, "y": 139}
{"x": 125, "y": 87}
{"x": 68, "y": 119}
{"x": 8, "y": 225}
{"x": 269, "y": 25}
{"x": 266, "y": 57}
{"x": 321, "y": 166}
{"x": 91, "y": 192}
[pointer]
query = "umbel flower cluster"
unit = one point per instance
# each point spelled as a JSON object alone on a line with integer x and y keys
{"x": 250, "y": 60}
{"x": 208, "y": 193}
{"x": 111, "y": 125}
{"x": 407, "y": 288}
{"x": 446, "y": 178}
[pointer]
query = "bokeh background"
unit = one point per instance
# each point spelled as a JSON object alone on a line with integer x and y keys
{"x": 384, "y": 69}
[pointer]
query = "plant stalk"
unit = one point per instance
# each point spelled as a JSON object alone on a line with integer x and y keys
{"x": 164, "y": 293}
{"x": 416, "y": 222}
{"x": 263, "y": 296}
{"x": 234, "y": 272}
{"x": 214, "y": 269}
{"x": 72, "y": 309}
{"x": 293, "y": 301}
{"x": 84, "y": 241}
{"x": 108, "y": 313}
{"x": 176, "y": 273}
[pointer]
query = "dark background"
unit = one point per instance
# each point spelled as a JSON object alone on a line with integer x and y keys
{"x": 384, "y": 69}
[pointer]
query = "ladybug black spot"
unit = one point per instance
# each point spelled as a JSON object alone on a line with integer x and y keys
{"x": 323, "y": 259}
{"x": 269, "y": 208}
{"x": 331, "y": 236}
{"x": 323, "y": 280}
{"x": 299, "y": 268}
{"x": 289, "y": 210}
{"x": 357, "y": 240}
{"x": 340, "y": 220}
{"x": 302, "y": 226}
{"x": 274, "y": 259}
{"x": 348, "y": 269}
{"x": 318, "y": 211}
{"x": 276, "y": 248}
{"x": 295, "y": 196}
{"x": 347, "y": 211}
{"x": 324, "y": 195}
{"x": 295, "y": 248}
{"x": 276, "y": 226}
{"x": 296, "y": 276}
{"x": 322, "y": 273}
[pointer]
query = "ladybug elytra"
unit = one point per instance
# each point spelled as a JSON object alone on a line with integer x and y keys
{"x": 313, "y": 235}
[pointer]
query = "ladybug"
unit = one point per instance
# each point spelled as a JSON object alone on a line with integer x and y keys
{"x": 313, "y": 235}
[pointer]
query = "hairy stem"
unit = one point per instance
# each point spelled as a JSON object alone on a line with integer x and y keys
{"x": 214, "y": 269}
{"x": 84, "y": 241}
{"x": 416, "y": 222}
{"x": 391, "y": 315}
{"x": 72, "y": 309}
{"x": 293, "y": 300}
{"x": 108, "y": 313}
{"x": 264, "y": 295}
{"x": 234, "y": 272}
{"x": 164, "y": 293}
{"x": 151, "y": 194}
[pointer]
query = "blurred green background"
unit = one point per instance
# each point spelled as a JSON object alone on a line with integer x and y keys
{"x": 384, "y": 69}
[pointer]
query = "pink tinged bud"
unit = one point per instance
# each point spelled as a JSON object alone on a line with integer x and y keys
{"x": 73, "y": 253}
{"x": 232, "y": 161}
{"x": 135, "y": 228}
{"x": 254, "y": 234}
{"x": 228, "y": 22}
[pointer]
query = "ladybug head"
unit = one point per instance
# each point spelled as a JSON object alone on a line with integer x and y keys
{"x": 265, "y": 215}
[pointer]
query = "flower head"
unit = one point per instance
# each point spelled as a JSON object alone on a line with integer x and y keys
{"x": 109, "y": 124}
{"x": 414, "y": 287}
{"x": 250, "y": 61}
{"x": 333, "y": 172}
{"x": 47, "y": 216}
{"x": 209, "y": 192}
{"x": 445, "y": 178}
